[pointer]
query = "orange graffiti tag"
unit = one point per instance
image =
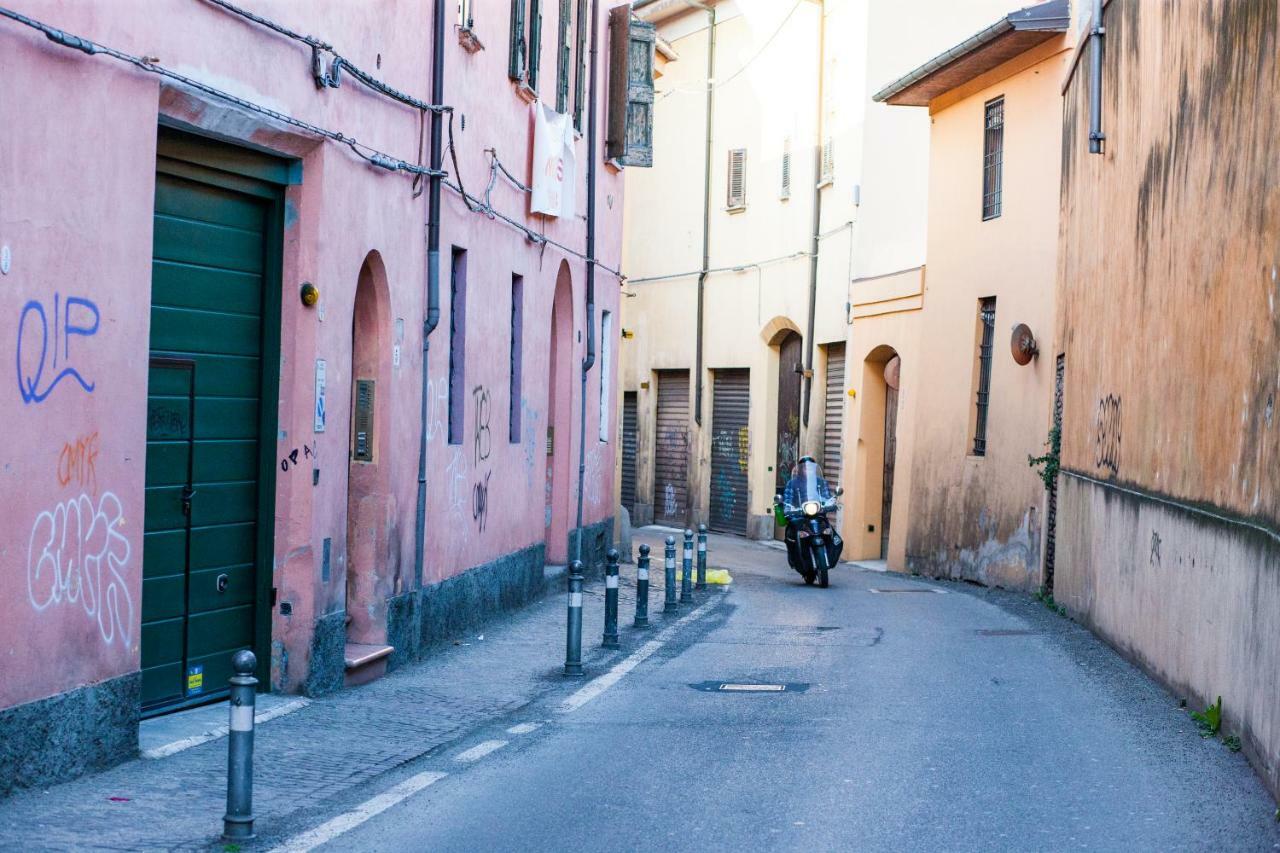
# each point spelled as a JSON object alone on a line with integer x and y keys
{"x": 77, "y": 463}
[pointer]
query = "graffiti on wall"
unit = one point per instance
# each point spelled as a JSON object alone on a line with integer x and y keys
{"x": 291, "y": 459}
{"x": 76, "y": 555}
{"x": 482, "y": 439}
{"x": 44, "y": 354}
{"x": 437, "y": 407}
{"x": 1106, "y": 438}
{"x": 480, "y": 502}
{"x": 77, "y": 462}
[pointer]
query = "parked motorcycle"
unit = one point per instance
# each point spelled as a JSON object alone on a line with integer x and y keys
{"x": 813, "y": 545}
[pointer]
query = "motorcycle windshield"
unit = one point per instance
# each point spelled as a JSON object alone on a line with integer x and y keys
{"x": 809, "y": 483}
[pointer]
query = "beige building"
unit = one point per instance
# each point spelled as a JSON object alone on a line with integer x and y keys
{"x": 805, "y": 219}
{"x": 978, "y": 399}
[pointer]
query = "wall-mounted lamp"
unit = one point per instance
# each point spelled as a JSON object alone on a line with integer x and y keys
{"x": 627, "y": 334}
{"x": 310, "y": 294}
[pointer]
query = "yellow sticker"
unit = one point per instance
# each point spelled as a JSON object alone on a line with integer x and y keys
{"x": 195, "y": 680}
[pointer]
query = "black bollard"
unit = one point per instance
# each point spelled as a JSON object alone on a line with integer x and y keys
{"x": 702, "y": 556}
{"x": 611, "y": 601}
{"x": 642, "y": 588}
{"x": 686, "y": 580}
{"x": 670, "y": 578}
{"x": 573, "y": 642}
{"x": 237, "y": 824}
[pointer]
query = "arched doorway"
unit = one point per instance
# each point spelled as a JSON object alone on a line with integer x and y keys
{"x": 559, "y": 411}
{"x": 881, "y": 380}
{"x": 371, "y": 574}
{"x": 790, "y": 377}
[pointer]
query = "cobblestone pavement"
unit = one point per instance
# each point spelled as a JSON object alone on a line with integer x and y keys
{"x": 333, "y": 748}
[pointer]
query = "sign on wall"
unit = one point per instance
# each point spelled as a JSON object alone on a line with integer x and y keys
{"x": 319, "y": 420}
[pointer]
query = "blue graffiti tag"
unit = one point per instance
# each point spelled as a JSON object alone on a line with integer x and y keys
{"x": 29, "y": 384}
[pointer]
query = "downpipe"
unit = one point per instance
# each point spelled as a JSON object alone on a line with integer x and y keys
{"x": 432, "y": 318}
{"x": 1096, "y": 34}
{"x": 589, "y": 361}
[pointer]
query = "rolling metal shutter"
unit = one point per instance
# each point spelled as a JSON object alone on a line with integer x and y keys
{"x": 833, "y": 424}
{"x": 630, "y": 440}
{"x": 671, "y": 449}
{"x": 730, "y": 449}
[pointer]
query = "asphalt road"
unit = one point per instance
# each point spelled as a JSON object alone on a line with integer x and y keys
{"x": 917, "y": 716}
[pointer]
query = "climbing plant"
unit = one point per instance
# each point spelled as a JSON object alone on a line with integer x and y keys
{"x": 1049, "y": 462}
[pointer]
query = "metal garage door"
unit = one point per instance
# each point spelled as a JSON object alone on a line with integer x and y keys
{"x": 834, "y": 420}
{"x": 671, "y": 449}
{"x": 730, "y": 447}
{"x": 630, "y": 442}
{"x": 214, "y": 339}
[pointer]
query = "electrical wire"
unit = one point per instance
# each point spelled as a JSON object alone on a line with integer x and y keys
{"x": 734, "y": 268}
{"x": 716, "y": 84}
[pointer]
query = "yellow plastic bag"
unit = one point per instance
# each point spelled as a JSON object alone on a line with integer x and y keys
{"x": 719, "y": 576}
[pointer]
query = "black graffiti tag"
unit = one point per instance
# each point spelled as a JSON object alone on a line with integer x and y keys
{"x": 480, "y": 395}
{"x": 292, "y": 459}
{"x": 1107, "y": 434}
{"x": 480, "y": 502}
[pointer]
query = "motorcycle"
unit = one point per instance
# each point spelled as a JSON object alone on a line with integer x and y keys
{"x": 813, "y": 545}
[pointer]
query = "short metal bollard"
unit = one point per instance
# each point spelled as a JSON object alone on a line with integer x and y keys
{"x": 237, "y": 824}
{"x": 686, "y": 579}
{"x": 670, "y": 577}
{"x": 611, "y": 601}
{"x": 702, "y": 556}
{"x": 642, "y": 588}
{"x": 573, "y": 640}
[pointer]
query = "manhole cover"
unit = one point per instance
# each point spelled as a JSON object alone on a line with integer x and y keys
{"x": 750, "y": 687}
{"x": 887, "y": 590}
{"x": 1004, "y": 632}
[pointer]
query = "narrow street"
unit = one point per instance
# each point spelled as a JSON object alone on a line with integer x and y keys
{"x": 916, "y": 715}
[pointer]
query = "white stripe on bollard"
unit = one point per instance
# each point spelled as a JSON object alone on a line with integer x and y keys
{"x": 611, "y": 582}
{"x": 642, "y": 574}
{"x": 575, "y": 599}
{"x": 241, "y": 718}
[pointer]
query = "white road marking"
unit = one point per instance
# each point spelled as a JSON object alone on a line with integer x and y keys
{"x": 524, "y": 728}
{"x": 326, "y": 832}
{"x": 221, "y": 731}
{"x": 601, "y": 683}
{"x": 479, "y": 751}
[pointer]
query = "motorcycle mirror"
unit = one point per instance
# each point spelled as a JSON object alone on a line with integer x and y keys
{"x": 777, "y": 499}
{"x": 839, "y": 491}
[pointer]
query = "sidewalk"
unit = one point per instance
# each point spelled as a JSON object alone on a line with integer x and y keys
{"x": 333, "y": 745}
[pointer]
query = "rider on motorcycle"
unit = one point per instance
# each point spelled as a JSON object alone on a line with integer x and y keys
{"x": 805, "y": 484}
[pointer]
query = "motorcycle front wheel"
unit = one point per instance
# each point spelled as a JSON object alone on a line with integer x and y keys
{"x": 820, "y": 559}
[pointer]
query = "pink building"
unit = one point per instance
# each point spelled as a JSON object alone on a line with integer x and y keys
{"x": 217, "y": 241}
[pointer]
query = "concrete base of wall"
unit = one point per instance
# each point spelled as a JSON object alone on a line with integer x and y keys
{"x": 65, "y": 736}
{"x": 326, "y": 668}
{"x": 597, "y": 539}
{"x": 465, "y": 601}
{"x": 1186, "y": 593}
{"x": 402, "y": 629}
{"x": 1010, "y": 563}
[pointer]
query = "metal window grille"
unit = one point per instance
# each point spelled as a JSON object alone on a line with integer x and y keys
{"x": 737, "y": 184}
{"x": 992, "y": 158}
{"x": 785, "y": 192}
{"x": 987, "y": 317}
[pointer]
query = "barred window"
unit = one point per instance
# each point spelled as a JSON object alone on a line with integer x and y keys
{"x": 992, "y": 158}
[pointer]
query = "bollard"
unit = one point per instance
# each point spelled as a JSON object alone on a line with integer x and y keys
{"x": 611, "y": 601}
{"x": 670, "y": 578}
{"x": 573, "y": 641}
{"x": 702, "y": 556}
{"x": 686, "y": 580}
{"x": 237, "y": 824}
{"x": 642, "y": 588}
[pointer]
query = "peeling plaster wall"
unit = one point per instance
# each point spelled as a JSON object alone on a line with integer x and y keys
{"x": 1168, "y": 286}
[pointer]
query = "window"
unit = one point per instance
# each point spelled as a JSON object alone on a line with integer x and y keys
{"x": 737, "y": 182}
{"x": 992, "y": 158}
{"x": 606, "y": 371}
{"x": 784, "y": 192}
{"x": 982, "y": 402}
{"x": 457, "y": 344}
{"x": 828, "y": 172}
{"x": 526, "y": 47}
{"x": 629, "y": 134}
{"x": 564, "y": 55}
{"x": 517, "y": 357}
{"x": 580, "y": 68}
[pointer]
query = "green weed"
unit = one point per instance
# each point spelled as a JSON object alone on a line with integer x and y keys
{"x": 1209, "y": 721}
{"x": 1046, "y": 598}
{"x": 1049, "y": 463}
{"x": 1232, "y": 743}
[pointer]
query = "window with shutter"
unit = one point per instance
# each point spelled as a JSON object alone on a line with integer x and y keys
{"x": 580, "y": 67}
{"x": 516, "y": 60}
{"x": 564, "y": 55}
{"x": 828, "y": 161}
{"x": 631, "y": 46}
{"x": 737, "y": 183}
{"x": 785, "y": 192}
{"x": 535, "y": 44}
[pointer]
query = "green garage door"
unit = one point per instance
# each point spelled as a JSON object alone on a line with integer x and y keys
{"x": 204, "y": 481}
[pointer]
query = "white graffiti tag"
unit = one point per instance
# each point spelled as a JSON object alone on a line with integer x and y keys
{"x": 76, "y": 555}
{"x": 669, "y": 500}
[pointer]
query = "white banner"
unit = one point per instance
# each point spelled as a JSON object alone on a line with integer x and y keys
{"x": 554, "y": 163}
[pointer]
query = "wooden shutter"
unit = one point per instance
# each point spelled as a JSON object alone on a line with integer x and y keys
{"x": 785, "y": 192}
{"x": 515, "y": 61}
{"x": 535, "y": 43}
{"x": 580, "y": 67}
{"x": 737, "y": 182}
{"x": 564, "y": 56}
{"x": 631, "y": 46}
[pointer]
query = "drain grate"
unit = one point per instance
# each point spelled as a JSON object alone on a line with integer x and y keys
{"x": 882, "y": 590}
{"x": 750, "y": 687}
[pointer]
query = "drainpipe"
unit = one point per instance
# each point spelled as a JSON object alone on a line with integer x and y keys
{"x": 817, "y": 214}
{"x": 590, "y": 359}
{"x": 433, "y": 276}
{"x": 706, "y": 208}
{"x": 1095, "y": 81}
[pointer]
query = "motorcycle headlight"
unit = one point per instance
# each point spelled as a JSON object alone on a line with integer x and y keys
{"x": 811, "y": 507}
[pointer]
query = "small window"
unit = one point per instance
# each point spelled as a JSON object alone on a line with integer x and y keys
{"x": 517, "y": 358}
{"x": 457, "y": 343}
{"x": 828, "y": 172}
{"x": 606, "y": 371}
{"x": 982, "y": 402}
{"x": 737, "y": 183}
{"x": 992, "y": 158}
{"x": 784, "y": 192}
